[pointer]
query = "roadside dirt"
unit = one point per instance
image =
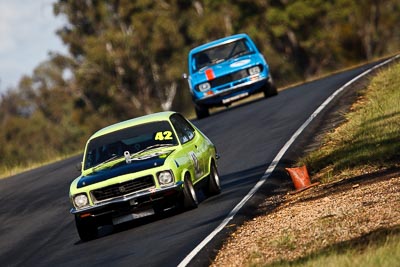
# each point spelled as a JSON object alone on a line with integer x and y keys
{"x": 354, "y": 210}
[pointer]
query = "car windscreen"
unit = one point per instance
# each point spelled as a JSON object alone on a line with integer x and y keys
{"x": 132, "y": 139}
{"x": 220, "y": 53}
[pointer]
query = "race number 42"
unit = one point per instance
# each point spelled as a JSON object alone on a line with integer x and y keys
{"x": 161, "y": 136}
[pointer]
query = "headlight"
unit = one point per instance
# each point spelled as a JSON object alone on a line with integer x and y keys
{"x": 204, "y": 87}
{"x": 81, "y": 200}
{"x": 165, "y": 178}
{"x": 254, "y": 70}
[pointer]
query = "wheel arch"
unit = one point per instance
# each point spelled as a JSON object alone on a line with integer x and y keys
{"x": 211, "y": 160}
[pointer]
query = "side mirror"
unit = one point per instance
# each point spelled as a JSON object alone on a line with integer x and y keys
{"x": 78, "y": 166}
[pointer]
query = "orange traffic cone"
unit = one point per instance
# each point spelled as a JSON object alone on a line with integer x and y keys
{"x": 300, "y": 178}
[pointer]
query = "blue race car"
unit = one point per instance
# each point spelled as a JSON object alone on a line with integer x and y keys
{"x": 227, "y": 70}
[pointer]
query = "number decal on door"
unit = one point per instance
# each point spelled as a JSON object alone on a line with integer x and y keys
{"x": 196, "y": 163}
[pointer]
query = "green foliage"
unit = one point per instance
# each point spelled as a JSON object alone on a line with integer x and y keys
{"x": 126, "y": 59}
{"x": 35, "y": 118}
{"x": 129, "y": 53}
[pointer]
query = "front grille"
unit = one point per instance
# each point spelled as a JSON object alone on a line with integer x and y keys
{"x": 235, "y": 76}
{"x": 124, "y": 188}
{"x": 228, "y": 78}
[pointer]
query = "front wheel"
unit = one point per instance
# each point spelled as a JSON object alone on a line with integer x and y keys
{"x": 270, "y": 88}
{"x": 201, "y": 111}
{"x": 86, "y": 227}
{"x": 189, "y": 194}
{"x": 214, "y": 187}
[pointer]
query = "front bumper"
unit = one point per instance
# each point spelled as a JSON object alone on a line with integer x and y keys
{"x": 135, "y": 202}
{"x": 234, "y": 93}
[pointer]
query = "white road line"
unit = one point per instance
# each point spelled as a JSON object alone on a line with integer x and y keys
{"x": 273, "y": 165}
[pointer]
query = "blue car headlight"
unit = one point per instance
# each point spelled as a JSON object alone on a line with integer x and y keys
{"x": 254, "y": 70}
{"x": 204, "y": 87}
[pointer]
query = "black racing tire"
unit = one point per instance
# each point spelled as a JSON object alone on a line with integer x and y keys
{"x": 86, "y": 227}
{"x": 190, "y": 200}
{"x": 201, "y": 111}
{"x": 270, "y": 88}
{"x": 214, "y": 186}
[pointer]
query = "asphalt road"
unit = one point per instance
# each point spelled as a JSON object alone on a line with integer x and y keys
{"x": 38, "y": 230}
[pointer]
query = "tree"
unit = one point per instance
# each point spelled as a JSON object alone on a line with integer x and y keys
{"x": 128, "y": 53}
{"x": 35, "y": 117}
{"x": 126, "y": 58}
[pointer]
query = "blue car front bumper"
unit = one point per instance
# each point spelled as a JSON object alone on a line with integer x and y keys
{"x": 231, "y": 92}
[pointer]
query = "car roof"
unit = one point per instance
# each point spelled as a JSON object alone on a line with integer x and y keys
{"x": 160, "y": 116}
{"x": 218, "y": 42}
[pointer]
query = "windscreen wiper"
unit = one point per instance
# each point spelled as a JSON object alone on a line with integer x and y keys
{"x": 106, "y": 161}
{"x": 128, "y": 156}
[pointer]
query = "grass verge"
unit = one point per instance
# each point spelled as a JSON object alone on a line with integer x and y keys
{"x": 6, "y": 171}
{"x": 379, "y": 249}
{"x": 370, "y": 138}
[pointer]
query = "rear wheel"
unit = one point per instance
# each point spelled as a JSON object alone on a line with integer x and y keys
{"x": 86, "y": 227}
{"x": 201, "y": 111}
{"x": 189, "y": 194}
{"x": 214, "y": 187}
{"x": 270, "y": 88}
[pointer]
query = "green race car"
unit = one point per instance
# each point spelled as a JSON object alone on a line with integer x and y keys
{"x": 141, "y": 167}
